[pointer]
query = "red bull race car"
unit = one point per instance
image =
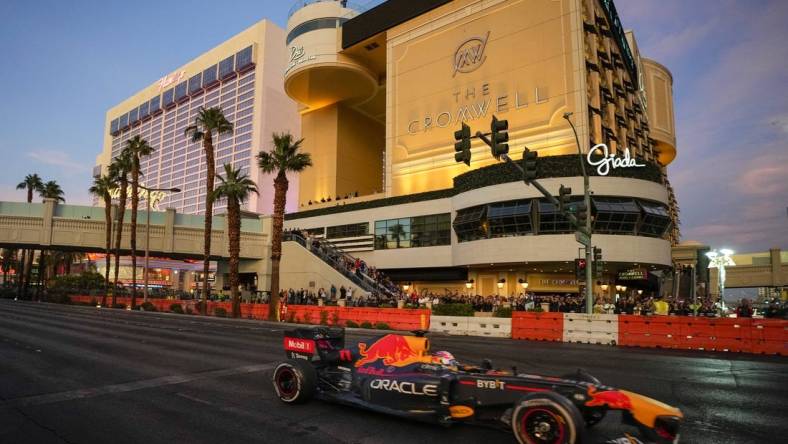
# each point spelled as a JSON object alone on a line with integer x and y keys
{"x": 399, "y": 375}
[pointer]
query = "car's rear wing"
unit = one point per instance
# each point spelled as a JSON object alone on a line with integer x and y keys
{"x": 305, "y": 342}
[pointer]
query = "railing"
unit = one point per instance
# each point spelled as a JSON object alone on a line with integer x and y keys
{"x": 350, "y": 5}
{"x": 335, "y": 257}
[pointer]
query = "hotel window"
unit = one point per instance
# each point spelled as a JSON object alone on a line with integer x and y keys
{"x": 551, "y": 221}
{"x": 243, "y": 146}
{"x": 245, "y": 80}
{"x": 180, "y": 91}
{"x": 655, "y": 221}
{"x": 430, "y": 231}
{"x": 245, "y": 104}
{"x": 243, "y": 129}
{"x": 471, "y": 223}
{"x": 113, "y": 127}
{"x": 350, "y": 230}
{"x": 615, "y": 215}
{"x": 243, "y": 138}
{"x": 226, "y": 67}
{"x": 245, "y": 96}
{"x": 133, "y": 116}
{"x": 209, "y": 77}
{"x": 243, "y": 59}
{"x": 392, "y": 233}
{"x": 510, "y": 218}
{"x": 168, "y": 98}
{"x": 212, "y": 95}
{"x": 143, "y": 110}
{"x": 155, "y": 105}
{"x": 245, "y": 112}
{"x": 123, "y": 121}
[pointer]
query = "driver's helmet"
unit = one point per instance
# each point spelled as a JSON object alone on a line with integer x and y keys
{"x": 444, "y": 358}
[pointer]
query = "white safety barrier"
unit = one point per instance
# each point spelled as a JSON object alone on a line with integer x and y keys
{"x": 591, "y": 329}
{"x": 472, "y": 326}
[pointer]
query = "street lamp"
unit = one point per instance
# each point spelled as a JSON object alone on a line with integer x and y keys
{"x": 147, "y": 232}
{"x": 523, "y": 284}
{"x": 720, "y": 260}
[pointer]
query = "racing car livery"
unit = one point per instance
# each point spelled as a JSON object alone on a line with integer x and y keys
{"x": 398, "y": 375}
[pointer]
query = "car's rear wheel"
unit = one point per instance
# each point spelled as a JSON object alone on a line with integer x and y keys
{"x": 546, "y": 418}
{"x": 294, "y": 381}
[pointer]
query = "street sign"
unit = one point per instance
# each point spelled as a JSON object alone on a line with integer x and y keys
{"x": 583, "y": 238}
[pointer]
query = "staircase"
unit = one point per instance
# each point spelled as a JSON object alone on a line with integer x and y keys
{"x": 336, "y": 259}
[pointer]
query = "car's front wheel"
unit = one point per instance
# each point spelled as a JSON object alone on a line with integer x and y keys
{"x": 294, "y": 381}
{"x": 546, "y": 418}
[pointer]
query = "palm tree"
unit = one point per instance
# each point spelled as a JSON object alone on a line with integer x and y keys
{"x": 283, "y": 158}
{"x": 52, "y": 190}
{"x": 32, "y": 183}
{"x": 235, "y": 186}
{"x": 397, "y": 232}
{"x": 207, "y": 122}
{"x": 136, "y": 147}
{"x": 119, "y": 169}
{"x": 101, "y": 187}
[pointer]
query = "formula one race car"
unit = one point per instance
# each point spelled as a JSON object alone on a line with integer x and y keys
{"x": 398, "y": 375}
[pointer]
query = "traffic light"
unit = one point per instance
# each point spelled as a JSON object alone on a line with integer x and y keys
{"x": 597, "y": 254}
{"x": 581, "y": 212}
{"x": 598, "y": 262}
{"x": 563, "y": 198}
{"x": 463, "y": 144}
{"x": 499, "y": 130}
{"x": 580, "y": 269}
{"x": 529, "y": 165}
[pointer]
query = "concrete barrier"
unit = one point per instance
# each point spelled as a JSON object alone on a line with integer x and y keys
{"x": 453, "y": 325}
{"x": 591, "y": 329}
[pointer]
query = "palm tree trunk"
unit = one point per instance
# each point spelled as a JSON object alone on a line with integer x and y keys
{"x": 135, "y": 201}
{"x": 280, "y": 193}
{"x": 20, "y": 273}
{"x": 119, "y": 233}
{"x": 234, "y": 234}
{"x": 29, "y": 269}
{"x": 207, "y": 144}
{"x": 108, "y": 244}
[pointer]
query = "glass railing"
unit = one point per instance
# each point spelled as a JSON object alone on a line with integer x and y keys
{"x": 357, "y": 6}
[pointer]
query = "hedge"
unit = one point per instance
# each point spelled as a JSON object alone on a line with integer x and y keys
{"x": 567, "y": 165}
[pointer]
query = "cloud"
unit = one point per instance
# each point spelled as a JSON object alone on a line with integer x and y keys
{"x": 59, "y": 159}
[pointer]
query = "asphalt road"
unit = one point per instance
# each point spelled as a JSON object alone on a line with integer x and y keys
{"x": 71, "y": 374}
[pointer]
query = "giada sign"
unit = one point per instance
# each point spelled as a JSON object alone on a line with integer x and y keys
{"x": 605, "y": 160}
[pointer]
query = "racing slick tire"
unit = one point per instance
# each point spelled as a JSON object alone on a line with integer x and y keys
{"x": 294, "y": 381}
{"x": 546, "y": 418}
{"x": 591, "y": 415}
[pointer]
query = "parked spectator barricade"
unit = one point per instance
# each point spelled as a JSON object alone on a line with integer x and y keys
{"x": 472, "y": 326}
{"x": 591, "y": 329}
{"x": 538, "y": 326}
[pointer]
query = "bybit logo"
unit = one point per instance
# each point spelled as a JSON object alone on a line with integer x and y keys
{"x": 470, "y": 54}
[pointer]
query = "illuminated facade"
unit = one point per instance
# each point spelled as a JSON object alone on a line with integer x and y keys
{"x": 382, "y": 91}
{"x": 242, "y": 76}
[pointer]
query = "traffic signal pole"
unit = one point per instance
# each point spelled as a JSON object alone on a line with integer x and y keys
{"x": 500, "y": 149}
{"x": 587, "y": 200}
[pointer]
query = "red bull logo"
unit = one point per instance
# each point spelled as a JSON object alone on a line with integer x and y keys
{"x": 614, "y": 399}
{"x": 394, "y": 350}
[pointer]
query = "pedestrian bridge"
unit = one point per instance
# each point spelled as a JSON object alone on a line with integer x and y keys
{"x": 54, "y": 226}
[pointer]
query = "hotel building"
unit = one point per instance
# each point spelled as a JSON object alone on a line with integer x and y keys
{"x": 242, "y": 76}
{"x": 382, "y": 91}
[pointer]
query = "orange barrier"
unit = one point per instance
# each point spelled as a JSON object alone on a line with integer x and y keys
{"x": 649, "y": 331}
{"x": 538, "y": 326}
{"x": 770, "y": 336}
{"x": 395, "y": 318}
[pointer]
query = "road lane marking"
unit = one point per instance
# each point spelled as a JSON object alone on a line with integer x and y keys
{"x": 130, "y": 386}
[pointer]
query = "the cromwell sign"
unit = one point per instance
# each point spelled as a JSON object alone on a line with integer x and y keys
{"x": 470, "y": 54}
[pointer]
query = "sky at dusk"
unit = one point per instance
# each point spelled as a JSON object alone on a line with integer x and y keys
{"x": 66, "y": 63}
